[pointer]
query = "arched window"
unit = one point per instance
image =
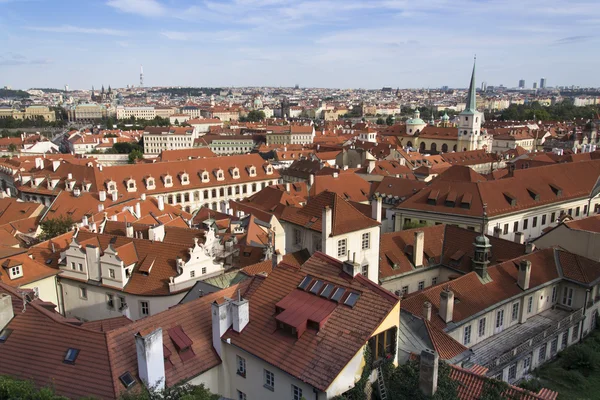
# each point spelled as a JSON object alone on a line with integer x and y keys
{"x": 409, "y": 144}
{"x": 433, "y": 148}
{"x": 454, "y": 148}
{"x": 422, "y": 147}
{"x": 444, "y": 148}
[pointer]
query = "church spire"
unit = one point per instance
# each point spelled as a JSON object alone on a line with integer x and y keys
{"x": 472, "y": 95}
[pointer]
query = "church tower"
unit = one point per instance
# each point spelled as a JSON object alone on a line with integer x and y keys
{"x": 469, "y": 120}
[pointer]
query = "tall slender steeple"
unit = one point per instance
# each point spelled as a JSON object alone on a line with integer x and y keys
{"x": 472, "y": 95}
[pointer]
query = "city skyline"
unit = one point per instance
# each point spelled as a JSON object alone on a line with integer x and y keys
{"x": 333, "y": 44}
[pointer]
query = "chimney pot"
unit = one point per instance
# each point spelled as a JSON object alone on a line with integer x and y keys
{"x": 427, "y": 311}
{"x": 150, "y": 357}
{"x": 524, "y": 274}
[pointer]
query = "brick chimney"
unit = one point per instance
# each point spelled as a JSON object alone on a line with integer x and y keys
{"x": 524, "y": 274}
{"x": 419, "y": 243}
{"x": 428, "y": 372}
{"x": 276, "y": 258}
{"x": 519, "y": 237}
{"x": 150, "y": 358}
{"x": 326, "y": 223}
{"x": 161, "y": 203}
{"x": 446, "y": 304}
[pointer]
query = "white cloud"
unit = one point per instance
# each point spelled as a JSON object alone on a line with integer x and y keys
{"x": 77, "y": 29}
{"x": 146, "y": 8}
{"x": 217, "y": 36}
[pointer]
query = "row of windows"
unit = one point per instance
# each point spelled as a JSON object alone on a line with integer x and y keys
{"x": 110, "y": 302}
{"x": 268, "y": 380}
{"x": 534, "y": 221}
{"x": 217, "y": 193}
{"x": 500, "y": 317}
{"x": 342, "y": 244}
{"x": 420, "y": 286}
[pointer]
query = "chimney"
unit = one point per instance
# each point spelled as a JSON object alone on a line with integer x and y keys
{"x": 311, "y": 180}
{"x": 376, "y": 208}
{"x": 129, "y": 230}
{"x": 221, "y": 321}
{"x": 524, "y": 274}
{"x": 276, "y": 258}
{"x": 326, "y": 224}
{"x": 102, "y": 195}
{"x": 240, "y": 313}
{"x": 529, "y": 248}
{"x": 115, "y": 196}
{"x": 417, "y": 257}
{"x": 336, "y": 174}
{"x": 6, "y": 310}
{"x": 428, "y": 372}
{"x": 84, "y": 220}
{"x": 100, "y": 207}
{"x": 138, "y": 210}
{"x": 161, "y": 203}
{"x": 446, "y": 304}
{"x": 519, "y": 237}
{"x": 92, "y": 258}
{"x": 69, "y": 176}
{"x": 143, "y": 197}
{"x": 287, "y": 187}
{"x": 497, "y": 231}
{"x": 150, "y": 358}
{"x": 427, "y": 311}
{"x": 370, "y": 166}
{"x": 351, "y": 267}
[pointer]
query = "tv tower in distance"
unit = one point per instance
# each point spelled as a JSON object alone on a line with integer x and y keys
{"x": 141, "y": 76}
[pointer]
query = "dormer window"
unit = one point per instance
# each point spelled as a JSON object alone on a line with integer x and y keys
{"x": 15, "y": 272}
{"x": 111, "y": 186}
{"x": 251, "y": 170}
{"x": 168, "y": 180}
{"x": 219, "y": 174}
{"x": 150, "y": 183}
{"x": 269, "y": 169}
{"x": 131, "y": 185}
{"x": 204, "y": 176}
{"x": 235, "y": 173}
{"x": 185, "y": 178}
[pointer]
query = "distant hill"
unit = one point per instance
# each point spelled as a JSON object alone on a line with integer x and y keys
{"x": 7, "y": 93}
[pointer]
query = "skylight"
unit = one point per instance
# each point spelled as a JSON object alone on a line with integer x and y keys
{"x": 127, "y": 380}
{"x": 4, "y": 334}
{"x": 327, "y": 291}
{"x": 304, "y": 284}
{"x": 337, "y": 295}
{"x": 316, "y": 287}
{"x": 71, "y": 356}
{"x": 351, "y": 299}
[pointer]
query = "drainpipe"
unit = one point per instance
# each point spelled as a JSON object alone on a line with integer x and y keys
{"x": 587, "y": 294}
{"x": 60, "y": 297}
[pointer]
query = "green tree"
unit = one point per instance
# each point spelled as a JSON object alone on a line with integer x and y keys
{"x": 12, "y": 148}
{"x": 180, "y": 392}
{"x": 135, "y": 155}
{"x": 53, "y": 227}
{"x": 402, "y": 382}
{"x": 255, "y": 116}
{"x": 413, "y": 225}
{"x": 389, "y": 120}
{"x": 380, "y": 121}
{"x": 25, "y": 390}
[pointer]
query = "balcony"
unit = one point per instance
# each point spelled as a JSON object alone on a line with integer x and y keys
{"x": 514, "y": 343}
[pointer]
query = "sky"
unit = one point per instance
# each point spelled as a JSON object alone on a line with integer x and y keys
{"x": 312, "y": 43}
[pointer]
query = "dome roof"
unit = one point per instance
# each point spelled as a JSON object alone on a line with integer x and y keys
{"x": 415, "y": 121}
{"x": 482, "y": 240}
{"x": 445, "y": 117}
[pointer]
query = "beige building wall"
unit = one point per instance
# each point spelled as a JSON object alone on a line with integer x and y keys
{"x": 584, "y": 243}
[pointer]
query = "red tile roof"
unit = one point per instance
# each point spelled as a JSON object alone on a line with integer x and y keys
{"x": 475, "y": 296}
{"x": 444, "y": 344}
{"x": 346, "y": 218}
{"x": 316, "y": 357}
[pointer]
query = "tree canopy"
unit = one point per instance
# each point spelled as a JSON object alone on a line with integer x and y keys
{"x": 254, "y": 116}
{"x": 402, "y": 382}
{"x": 562, "y": 111}
{"x": 53, "y": 227}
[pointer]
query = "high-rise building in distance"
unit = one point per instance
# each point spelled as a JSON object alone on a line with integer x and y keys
{"x": 483, "y": 86}
{"x": 522, "y": 84}
{"x": 535, "y": 85}
{"x": 543, "y": 83}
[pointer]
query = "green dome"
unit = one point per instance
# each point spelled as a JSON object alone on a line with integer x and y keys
{"x": 415, "y": 121}
{"x": 445, "y": 117}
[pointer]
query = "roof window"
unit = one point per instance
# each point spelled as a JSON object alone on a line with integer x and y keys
{"x": 351, "y": 299}
{"x": 127, "y": 379}
{"x": 304, "y": 284}
{"x": 4, "y": 334}
{"x": 337, "y": 295}
{"x": 71, "y": 356}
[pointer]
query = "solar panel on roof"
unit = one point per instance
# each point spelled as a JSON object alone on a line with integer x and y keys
{"x": 304, "y": 284}
{"x": 352, "y": 299}
{"x": 337, "y": 295}
{"x": 327, "y": 290}
{"x": 316, "y": 287}
{"x": 127, "y": 379}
